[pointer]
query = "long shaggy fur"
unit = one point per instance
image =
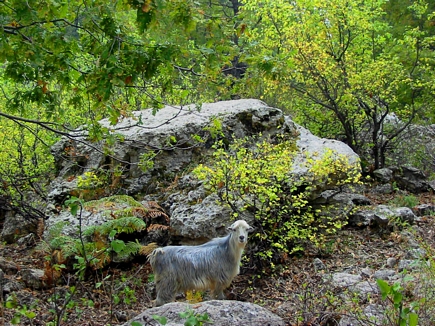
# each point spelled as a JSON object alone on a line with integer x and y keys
{"x": 212, "y": 265}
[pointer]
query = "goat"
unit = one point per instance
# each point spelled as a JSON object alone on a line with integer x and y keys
{"x": 212, "y": 265}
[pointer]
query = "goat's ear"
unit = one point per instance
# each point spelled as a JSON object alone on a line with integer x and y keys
{"x": 232, "y": 227}
{"x": 250, "y": 229}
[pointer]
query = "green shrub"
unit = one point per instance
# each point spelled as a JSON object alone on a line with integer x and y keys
{"x": 96, "y": 245}
{"x": 255, "y": 179}
{"x": 405, "y": 201}
{"x": 403, "y": 314}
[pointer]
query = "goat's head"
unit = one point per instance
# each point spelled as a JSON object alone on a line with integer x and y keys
{"x": 240, "y": 231}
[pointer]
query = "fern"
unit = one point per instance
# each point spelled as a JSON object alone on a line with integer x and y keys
{"x": 108, "y": 201}
{"x": 68, "y": 245}
{"x": 56, "y": 230}
{"x": 98, "y": 244}
{"x": 128, "y": 224}
{"x": 130, "y": 248}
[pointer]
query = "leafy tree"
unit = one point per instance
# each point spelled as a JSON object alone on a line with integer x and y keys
{"x": 66, "y": 65}
{"x": 344, "y": 69}
{"x": 88, "y": 59}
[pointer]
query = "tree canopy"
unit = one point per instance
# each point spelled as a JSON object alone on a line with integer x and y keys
{"x": 345, "y": 69}
{"x": 88, "y": 60}
{"x": 67, "y": 64}
{"x": 346, "y": 65}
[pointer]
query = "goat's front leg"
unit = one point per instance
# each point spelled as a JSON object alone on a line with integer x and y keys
{"x": 218, "y": 293}
{"x": 166, "y": 290}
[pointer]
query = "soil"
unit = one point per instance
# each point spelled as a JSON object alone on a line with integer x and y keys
{"x": 295, "y": 291}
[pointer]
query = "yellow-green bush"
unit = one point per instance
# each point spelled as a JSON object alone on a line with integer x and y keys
{"x": 26, "y": 166}
{"x": 256, "y": 179}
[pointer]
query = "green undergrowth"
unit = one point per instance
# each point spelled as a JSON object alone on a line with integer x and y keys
{"x": 254, "y": 179}
{"x": 96, "y": 246}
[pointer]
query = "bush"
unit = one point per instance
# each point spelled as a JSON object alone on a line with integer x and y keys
{"x": 255, "y": 179}
{"x": 95, "y": 246}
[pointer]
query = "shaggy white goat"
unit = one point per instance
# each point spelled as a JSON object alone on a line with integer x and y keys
{"x": 212, "y": 265}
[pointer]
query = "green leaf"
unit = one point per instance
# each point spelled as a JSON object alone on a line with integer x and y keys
{"x": 112, "y": 234}
{"x": 30, "y": 314}
{"x": 191, "y": 321}
{"x": 11, "y": 304}
{"x": 144, "y": 18}
{"x": 136, "y": 323}
{"x": 118, "y": 246}
{"x": 184, "y": 314}
{"x": 73, "y": 203}
{"x": 397, "y": 298}
{"x": 413, "y": 319}
{"x": 116, "y": 299}
{"x": 384, "y": 288}
{"x": 16, "y": 320}
{"x": 161, "y": 319}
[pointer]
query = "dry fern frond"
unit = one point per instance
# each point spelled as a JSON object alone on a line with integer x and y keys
{"x": 148, "y": 249}
{"x": 139, "y": 212}
{"x": 155, "y": 211}
{"x": 174, "y": 183}
{"x": 51, "y": 274}
{"x": 155, "y": 227}
{"x": 40, "y": 228}
{"x": 152, "y": 205}
{"x": 156, "y": 214}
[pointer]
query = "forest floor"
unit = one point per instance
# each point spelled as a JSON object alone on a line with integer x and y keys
{"x": 297, "y": 292}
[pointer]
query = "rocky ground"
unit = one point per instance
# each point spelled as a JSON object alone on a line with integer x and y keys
{"x": 299, "y": 292}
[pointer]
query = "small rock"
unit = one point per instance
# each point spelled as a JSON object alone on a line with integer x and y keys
{"x": 12, "y": 286}
{"x": 412, "y": 180}
{"x": 361, "y": 218}
{"x": 416, "y": 253}
{"x": 364, "y": 288}
{"x": 383, "y": 175}
{"x": 348, "y": 321}
{"x": 8, "y": 267}
{"x": 34, "y": 278}
{"x": 383, "y": 215}
{"x": 318, "y": 265}
{"x": 375, "y": 312}
{"x": 411, "y": 239}
{"x": 28, "y": 240}
{"x": 406, "y": 264}
{"x": 360, "y": 200}
{"x": 345, "y": 279}
{"x": 424, "y": 209}
{"x": 384, "y": 274}
{"x": 391, "y": 262}
{"x": 405, "y": 214}
{"x": 372, "y": 315}
{"x": 366, "y": 272}
{"x": 383, "y": 189}
{"x": 16, "y": 225}
{"x": 121, "y": 316}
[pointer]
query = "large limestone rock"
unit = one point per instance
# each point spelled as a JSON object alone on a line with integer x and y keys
{"x": 193, "y": 214}
{"x": 169, "y": 131}
{"x": 220, "y": 312}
